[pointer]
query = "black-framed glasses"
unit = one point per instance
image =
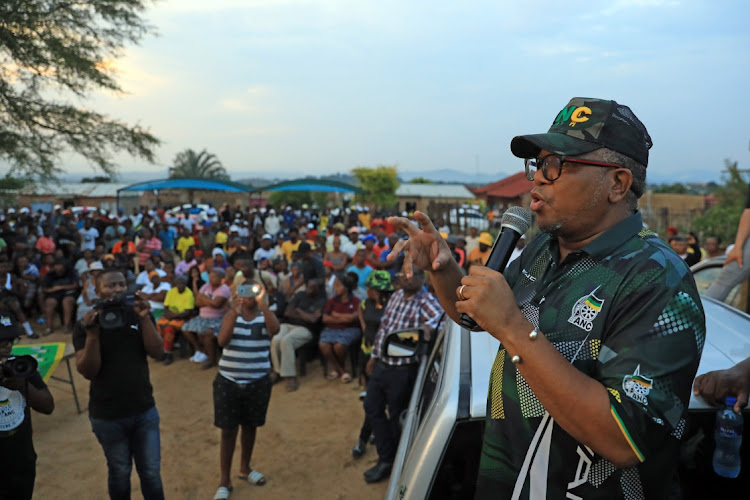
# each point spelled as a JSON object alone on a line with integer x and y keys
{"x": 551, "y": 165}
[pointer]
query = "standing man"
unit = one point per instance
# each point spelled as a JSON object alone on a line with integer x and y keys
{"x": 121, "y": 403}
{"x": 600, "y": 324}
{"x": 391, "y": 379}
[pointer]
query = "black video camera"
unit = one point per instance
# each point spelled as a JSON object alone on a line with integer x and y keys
{"x": 19, "y": 367}
{"x": 113, "y": 311}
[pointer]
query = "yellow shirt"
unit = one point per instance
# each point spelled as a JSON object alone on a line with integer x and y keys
{"x": 364, "y": 218}
{"x": 323, "y": 223}
{"x": 288, "y": 247}
{"x": 221, "y": 238}
{"x": 478, "y": 257}
{"x": 183, "y": 244}
{"x": 179, "y": 302}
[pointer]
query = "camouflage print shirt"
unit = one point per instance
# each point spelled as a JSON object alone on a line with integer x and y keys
{"x": 625, "y": 311}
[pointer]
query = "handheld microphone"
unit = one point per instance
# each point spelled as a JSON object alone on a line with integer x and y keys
{"x": 515, "y": 222}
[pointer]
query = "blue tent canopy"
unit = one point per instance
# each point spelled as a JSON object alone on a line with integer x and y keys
{"x": 203, "y": 184}
{"x": 197, "y": 184}
{"x": 321, "y": 185}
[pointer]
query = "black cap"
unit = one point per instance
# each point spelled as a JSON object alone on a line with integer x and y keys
{"x": 585, "y": 125}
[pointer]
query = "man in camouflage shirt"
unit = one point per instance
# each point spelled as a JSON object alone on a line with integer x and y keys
{"x": 600, "y": 323}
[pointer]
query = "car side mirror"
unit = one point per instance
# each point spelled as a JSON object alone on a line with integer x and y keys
{"x": 403, "y": 343}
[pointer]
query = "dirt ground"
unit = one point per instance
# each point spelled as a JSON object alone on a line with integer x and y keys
{"x": 304, "y": 449}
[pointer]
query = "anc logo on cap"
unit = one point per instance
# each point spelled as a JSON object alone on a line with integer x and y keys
{"x": 576, "y": 114}
{"x": 582, "y": 118}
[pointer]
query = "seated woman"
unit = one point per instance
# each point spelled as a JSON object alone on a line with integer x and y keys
{"x": 341, "y": 317}
{"x": 30, "y": 277}
{"x": 60, "y": 287}
{"x": 179, "y": 305}
{"x": 337, "y": 257}
{"x": 11, "y": 288}
{"x": 201, "y": 331}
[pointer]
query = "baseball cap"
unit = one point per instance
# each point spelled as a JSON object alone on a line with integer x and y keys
{"x": 96, "y": 266}
{"x": 587, "y": 124}
{"x": 267, "y": 237}
{"x": 379, "y": 280}
{"x": 485, "y": 238}
{"x": 9, "y": 328}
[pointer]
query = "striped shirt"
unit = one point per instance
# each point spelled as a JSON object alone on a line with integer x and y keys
{"x": 248, "y": 354}
{"x": 402, "y": 313}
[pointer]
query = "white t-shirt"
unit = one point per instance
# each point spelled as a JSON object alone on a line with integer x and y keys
{"x": 261, "y": 254}
{"x": 88, "y": 238}
{"x": 163, "y": 286}
{"x": 142, "y": 279}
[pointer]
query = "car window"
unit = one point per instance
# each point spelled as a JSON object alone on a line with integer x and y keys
{"x": 703, "y": 279}
{"x": 432, "y": 377}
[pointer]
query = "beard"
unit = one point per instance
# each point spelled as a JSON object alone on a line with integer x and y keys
{"x": 558, "y": 227}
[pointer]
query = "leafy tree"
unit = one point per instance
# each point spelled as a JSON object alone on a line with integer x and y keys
{"x": 53, "y": 55}
{"x": 204, "y": 165}
{"x": 421, "y": 180}
{"x": 676, "y": 188}
{"x": 9, "y": 188}
{"x": 189, "y": 165}
{"x": 379, "y": 183}
{"x": 722, "y": 219}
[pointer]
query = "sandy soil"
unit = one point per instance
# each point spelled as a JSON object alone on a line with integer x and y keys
{"x": 304, "y": 448}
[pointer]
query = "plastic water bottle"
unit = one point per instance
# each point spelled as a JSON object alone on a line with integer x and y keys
{"x": 728, "y": 436}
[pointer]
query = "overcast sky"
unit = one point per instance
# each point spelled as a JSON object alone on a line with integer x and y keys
{"x": 295, "y": 87}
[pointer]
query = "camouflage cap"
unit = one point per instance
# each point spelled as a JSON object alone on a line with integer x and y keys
{"x": 586, "y": 124}
{"x": 379, "y": 280}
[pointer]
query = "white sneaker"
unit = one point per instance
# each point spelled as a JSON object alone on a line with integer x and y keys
{"x": 200, "y": 357}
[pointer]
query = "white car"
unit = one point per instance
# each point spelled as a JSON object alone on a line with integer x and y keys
{"x": 468, "y": 217}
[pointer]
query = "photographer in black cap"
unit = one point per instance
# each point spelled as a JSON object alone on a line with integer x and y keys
{"x": 21, "y": 388}
{"x": 111, "y": 343}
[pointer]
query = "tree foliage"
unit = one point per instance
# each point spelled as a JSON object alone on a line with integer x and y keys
{"x": 54, "y": 54}
{"x": 421, "y": 180}
{"x": 379, "y": 183}
{"x": 722, "y": 219}
{"x": 191, "y": 165}
{"x": 676, "y": 188}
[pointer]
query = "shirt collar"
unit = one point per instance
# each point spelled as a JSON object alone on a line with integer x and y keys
{"x": 609, "y": 240}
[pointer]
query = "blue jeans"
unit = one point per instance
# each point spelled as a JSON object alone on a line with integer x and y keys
{"x": 132, "y": 438}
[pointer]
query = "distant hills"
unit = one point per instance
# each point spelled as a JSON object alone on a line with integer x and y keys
{"x": 438, "y": 176}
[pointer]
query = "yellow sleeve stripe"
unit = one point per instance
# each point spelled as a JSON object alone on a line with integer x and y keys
{"x": 625, "y": 433}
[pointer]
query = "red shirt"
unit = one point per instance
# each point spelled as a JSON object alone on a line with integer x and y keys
{"x": 45, "y": 245}
{"x": 336, "y": 305}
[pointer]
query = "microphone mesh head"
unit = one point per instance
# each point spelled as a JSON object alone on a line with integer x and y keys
{"x": 517, "y": 218}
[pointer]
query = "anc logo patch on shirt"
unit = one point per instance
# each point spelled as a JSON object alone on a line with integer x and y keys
{"x": 637, "y": 387}
{"x": 585, "y": 310}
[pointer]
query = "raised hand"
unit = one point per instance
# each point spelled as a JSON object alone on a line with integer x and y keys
{"x": 425, "y": 248}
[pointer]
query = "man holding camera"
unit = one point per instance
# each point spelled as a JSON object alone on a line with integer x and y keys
{"x": 21, "y": 388}
{"x": 111, "y": 344}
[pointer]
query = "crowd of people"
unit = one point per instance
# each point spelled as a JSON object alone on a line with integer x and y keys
{"x": 207, "y": 283}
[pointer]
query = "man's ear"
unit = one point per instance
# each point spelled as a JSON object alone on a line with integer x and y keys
{"x": 621, "y": 182}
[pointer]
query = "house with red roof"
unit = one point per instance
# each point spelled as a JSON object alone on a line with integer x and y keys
{"x": 510, "y": 191}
